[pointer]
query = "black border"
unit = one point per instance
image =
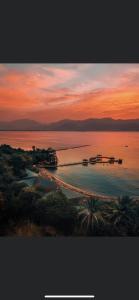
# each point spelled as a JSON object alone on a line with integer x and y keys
{"x": 67, "y": 32}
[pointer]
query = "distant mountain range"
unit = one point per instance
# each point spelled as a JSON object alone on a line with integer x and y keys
{"x": 104, "y": 124}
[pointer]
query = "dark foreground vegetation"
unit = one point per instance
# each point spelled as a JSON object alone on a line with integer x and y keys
{"x": 30, "y": 211}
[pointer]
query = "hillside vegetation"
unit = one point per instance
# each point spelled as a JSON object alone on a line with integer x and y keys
{"x": 30, "y": 211}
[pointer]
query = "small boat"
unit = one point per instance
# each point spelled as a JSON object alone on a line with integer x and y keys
{"x": 92, "y": 162}
{"x": 92, "y": 159}
{"x": 111, "y": 161}
{"x": 85, "y": 162}
{"x": 98, "y": 158}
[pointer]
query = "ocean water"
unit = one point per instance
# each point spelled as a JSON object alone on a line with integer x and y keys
{"x": 103, "y": 179}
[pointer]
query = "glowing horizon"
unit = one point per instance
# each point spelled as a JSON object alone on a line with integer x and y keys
{"x": 52, "y": 92}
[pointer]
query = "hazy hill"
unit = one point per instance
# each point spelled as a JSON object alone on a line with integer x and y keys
{"x": 96, "y": 125}
{"x": 23, "y": 124}
{"x": 104, "y": 124}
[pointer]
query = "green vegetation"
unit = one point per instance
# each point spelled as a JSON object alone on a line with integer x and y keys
{"x": 113, "y": 218}
{"x": 30, "y": 211}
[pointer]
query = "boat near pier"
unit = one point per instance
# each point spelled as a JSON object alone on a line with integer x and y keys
{"x": 47, "y": 158}
{"x": 93, "y": 161}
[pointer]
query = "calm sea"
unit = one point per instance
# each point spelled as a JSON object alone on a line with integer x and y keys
{"x": 104, "y": 179}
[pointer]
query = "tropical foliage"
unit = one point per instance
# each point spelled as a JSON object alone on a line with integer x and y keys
{"x": 29, "y": 211}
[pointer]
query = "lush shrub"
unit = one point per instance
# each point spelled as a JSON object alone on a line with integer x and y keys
{"x": 27, "y": 229}
{"x": 56, "y": 210}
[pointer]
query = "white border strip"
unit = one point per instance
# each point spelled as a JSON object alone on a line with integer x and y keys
{"x": 69, "y": 296}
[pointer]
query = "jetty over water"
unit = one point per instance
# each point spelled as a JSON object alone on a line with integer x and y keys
{"x": 72, "y": 147}
{"x": 93, "y": 160}
{"x": 44, "y": 166}
{"x": 97, "y": 159}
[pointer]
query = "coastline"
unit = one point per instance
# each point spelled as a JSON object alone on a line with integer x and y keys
{"x": 45, "y": 173}
{"x": 94, "y": 184}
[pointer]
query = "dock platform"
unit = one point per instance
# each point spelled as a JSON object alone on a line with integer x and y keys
{"x": 110, "y": 160}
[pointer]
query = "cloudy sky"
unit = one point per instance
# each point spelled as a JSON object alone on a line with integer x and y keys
{"x": 51, "y": 92}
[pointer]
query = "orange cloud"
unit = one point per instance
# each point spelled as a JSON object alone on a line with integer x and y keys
{"x": 46, "y": 94}
{"x": 29, "y": 91}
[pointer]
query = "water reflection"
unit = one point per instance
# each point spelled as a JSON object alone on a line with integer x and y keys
{"x": 111, "y": 179}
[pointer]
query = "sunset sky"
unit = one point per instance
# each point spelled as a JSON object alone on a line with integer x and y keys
{"x": 51, "y": 92}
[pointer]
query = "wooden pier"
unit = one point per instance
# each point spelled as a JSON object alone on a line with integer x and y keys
{"x": 70, "y": 164}
{"x": 99, "y": 159}
{"x": 43, "y": 171}
{"x": 95, "y": 160}
{"x": 72, "y": 147}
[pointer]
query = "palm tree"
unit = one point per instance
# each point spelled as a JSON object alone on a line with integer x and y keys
{"x": 91, "y": 217}
{"x": 122, "y": 215}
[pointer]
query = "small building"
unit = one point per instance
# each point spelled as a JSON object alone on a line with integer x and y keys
{"x": 45, "y": 155}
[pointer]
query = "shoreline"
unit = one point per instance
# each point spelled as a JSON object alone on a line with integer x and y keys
{"x": 45, "y": 173}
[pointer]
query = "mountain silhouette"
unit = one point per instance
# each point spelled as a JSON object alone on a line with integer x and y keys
{"x": 103, "y": 124}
